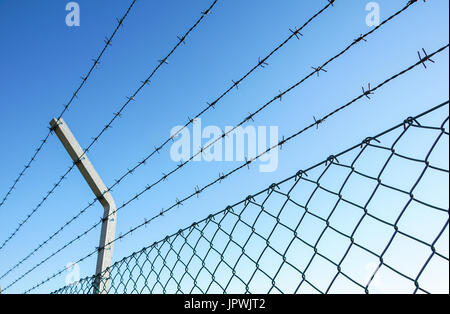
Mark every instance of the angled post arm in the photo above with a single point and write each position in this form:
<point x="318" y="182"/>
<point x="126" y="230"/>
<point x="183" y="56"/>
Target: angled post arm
<point x="87" y="170"/>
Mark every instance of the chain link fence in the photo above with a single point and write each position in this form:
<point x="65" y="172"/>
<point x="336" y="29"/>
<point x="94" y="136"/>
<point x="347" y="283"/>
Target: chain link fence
<point x="372" y="219"/>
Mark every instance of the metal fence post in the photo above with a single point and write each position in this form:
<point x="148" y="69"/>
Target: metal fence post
<point x="79" y="157"/>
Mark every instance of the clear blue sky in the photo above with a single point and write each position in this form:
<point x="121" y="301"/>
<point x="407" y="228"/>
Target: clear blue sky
<point x="41" y="60"/>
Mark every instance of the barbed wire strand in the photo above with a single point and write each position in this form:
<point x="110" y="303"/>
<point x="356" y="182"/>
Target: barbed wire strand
<point x="109" y="124"/>
<point x="261" y="63"/>
<point x="85" y="78"/>
<point x="244" y="165"/>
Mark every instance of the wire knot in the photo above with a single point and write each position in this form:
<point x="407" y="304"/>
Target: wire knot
<point x="318" y="122"/>
<point x="410" y="122"/>
<point x="318" y="69"/>
<point x="273" y="186"/>
<point x="331" y="160"/>
<point x="425" y="58"/>
<point x="296" y="32"/>
<point x="300" y="174"/>
<point x="367" y="92"/>
<point x="368" y="140"/>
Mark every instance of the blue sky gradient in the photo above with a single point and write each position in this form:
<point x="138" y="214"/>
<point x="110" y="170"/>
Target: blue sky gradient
<point x="42" y="59"/>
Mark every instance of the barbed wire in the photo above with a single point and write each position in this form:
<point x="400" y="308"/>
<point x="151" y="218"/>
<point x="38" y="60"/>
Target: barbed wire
<point x="165" y="176"/>
<point x="96" y="62"/>
<point x="248" y="162"/>
<point x="109" y="124"/>
<point x="262" y="62"/>
<point x="161" y="261"/>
